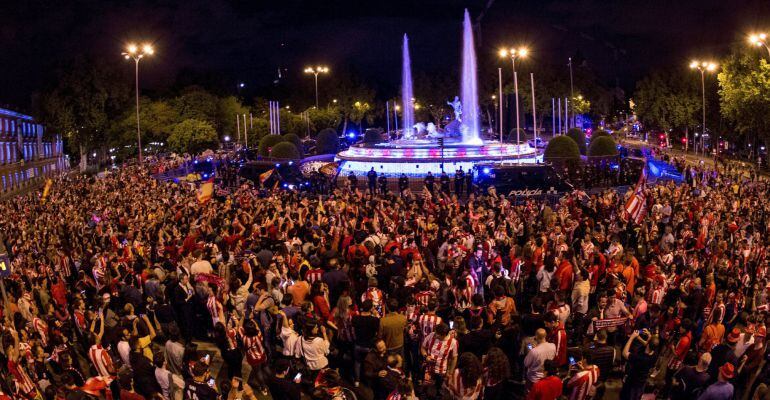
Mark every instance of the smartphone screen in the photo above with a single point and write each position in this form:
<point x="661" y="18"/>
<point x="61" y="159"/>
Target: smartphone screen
<point x="298" y="376"/>
<point x="530" y="346"/>
<point x="451" y="324"/>
<point x="211" y="382"/>
<point x="572" y="360"/>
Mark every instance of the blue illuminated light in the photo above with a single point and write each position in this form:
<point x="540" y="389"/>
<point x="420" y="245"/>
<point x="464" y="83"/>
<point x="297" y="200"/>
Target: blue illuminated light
<point x="291" y="162"/>
<point x="352" y="135"/>
<point x="486" y="170"/>
<point x="277" y="165"/>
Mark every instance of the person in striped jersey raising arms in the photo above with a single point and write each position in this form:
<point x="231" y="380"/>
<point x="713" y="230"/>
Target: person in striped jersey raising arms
<point x="584" y="377"/>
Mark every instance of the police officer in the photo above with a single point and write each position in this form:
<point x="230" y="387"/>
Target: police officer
<point x="371" y="176"/>
<point x="353" y="181"/>
<point x="469" y="183"/>
<point x="459" y="180"/>
<point x="444" y="180"/>
<point x="403" y="183"/>
<point x="429" y="180"/>
<point x="383" y="184"/>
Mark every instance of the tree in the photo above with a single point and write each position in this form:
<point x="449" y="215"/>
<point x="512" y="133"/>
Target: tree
<point x="327" y="142"/>
<point x="285" y="150"/>
<point x="193" y="136"/>
<point x="579" y="137"/>
<point x="348" y="91"/>
<point x="744" y="94"/>
<point x="197" y="103"/>
<point x="322" y="118"/>
<point x="668" y="99"/>
<point x="267" y="143"/>
<point x="84" y="103"/>
<point x="157" y="121"/>
<point x="227" y="108"/>
<point x="603" y="146"/>
<point x="561" y="149"/>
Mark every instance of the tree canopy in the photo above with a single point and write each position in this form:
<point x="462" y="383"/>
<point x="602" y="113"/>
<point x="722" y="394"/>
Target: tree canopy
<point x="668" y="99"/>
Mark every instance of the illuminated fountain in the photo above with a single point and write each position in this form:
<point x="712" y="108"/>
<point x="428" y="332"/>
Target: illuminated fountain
<point x="423" y="147"/>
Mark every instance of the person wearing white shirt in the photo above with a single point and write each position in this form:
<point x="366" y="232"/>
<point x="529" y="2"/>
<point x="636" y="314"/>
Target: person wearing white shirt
<point x="542" y="351"/>
<point x="312" y="348"/>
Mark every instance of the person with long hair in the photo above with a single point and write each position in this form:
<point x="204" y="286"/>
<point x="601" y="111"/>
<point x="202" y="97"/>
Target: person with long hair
<point x="465" y="382"/>
<point x="496" y="370"/>
<point x="256" y="356"/>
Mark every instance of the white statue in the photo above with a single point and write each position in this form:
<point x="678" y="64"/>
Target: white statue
<point x="419" y="128"/>
<point x="431" y="128"/>
<point x="458" y="108"/>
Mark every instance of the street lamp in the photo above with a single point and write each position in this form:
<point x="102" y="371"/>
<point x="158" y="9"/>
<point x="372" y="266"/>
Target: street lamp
<point x="703" y="67"/>
<point x="136" y="53"/>
<point x="759" y="39"/>
<point x="514" y="54"/>
<point x="315" y="71"/>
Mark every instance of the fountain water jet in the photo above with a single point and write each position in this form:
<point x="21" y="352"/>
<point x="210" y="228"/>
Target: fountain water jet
<point x="469" y="87"/>
<point x="406" y="90"/>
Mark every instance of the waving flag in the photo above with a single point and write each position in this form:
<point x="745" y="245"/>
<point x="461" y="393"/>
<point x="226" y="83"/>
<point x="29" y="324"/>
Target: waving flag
<point x="636" y="206"/>
<point x="205" y="191"/>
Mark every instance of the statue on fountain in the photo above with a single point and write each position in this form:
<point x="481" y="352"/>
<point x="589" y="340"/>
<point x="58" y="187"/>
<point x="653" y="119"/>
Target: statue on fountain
<point x="458" y="108"/>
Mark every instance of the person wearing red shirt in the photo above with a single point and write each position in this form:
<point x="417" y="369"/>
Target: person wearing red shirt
<point x="558" y="336"/>
<point x="564" y="272"/>
<point x="548" y="388"/>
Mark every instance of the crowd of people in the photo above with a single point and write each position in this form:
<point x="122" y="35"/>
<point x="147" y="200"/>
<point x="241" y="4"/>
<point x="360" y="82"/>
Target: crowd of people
<point x="125" y="287"/>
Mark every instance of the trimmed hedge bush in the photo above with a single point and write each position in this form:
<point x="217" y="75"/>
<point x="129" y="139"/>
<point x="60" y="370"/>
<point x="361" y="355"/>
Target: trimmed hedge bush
<point x="579" y="137"/>
<point x="268" y="142"/>
<point x="285" y="150"/>
<point x="603" y="146"/>
<point x="327" y="142"/>
<point x="373" y="136"/>
<point x="560" y="149"/>
<point x="597" y="134"/>
<point x="294" y="139"/>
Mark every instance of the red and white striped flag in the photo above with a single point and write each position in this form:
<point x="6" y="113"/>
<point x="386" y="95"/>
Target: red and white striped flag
<point x="636" y="206"/>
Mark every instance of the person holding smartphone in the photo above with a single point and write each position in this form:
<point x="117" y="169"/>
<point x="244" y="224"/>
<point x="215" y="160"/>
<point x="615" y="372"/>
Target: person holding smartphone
<point x="285" y="383"/>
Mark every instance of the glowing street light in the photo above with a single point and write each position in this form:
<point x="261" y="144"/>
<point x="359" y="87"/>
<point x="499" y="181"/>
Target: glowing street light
<point x="136" y="53"/>
<point x="315" y="71"/>
<point x="703" y="67"/>
<point x="514" y="54"/>
<point x="759" y="39"/>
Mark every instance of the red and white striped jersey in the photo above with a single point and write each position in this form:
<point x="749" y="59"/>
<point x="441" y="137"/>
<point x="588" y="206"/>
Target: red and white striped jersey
<point x="215" y="309"/>
<point x="254" y="349"/>
<point x="463" y="297"/>
<point x="459" y="391"/>
<point x="41" y="327"/>
<point x="376" y="296"/>
<point x="439" y="351"/>
<point x="314" y="275"/>
<point x="423" y="297"/>
<point x="80" y="320"/>
<point x="427" y="323"/>
<point x="21" y="379"/>
<point x="582" y="384"/>
<point x="656" y="296"/>
<point x="101" y="360"/>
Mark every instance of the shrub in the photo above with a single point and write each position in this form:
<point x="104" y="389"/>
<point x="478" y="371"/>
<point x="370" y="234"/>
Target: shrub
<point x="561" y="149"/>
<point x="327" y="142"/>
<point x="603" y="146"/>
<point x="285" y="150"/>
<point x="268" y="142"/>
<point x="579" y="137"/>
<point x="294" y="139"/>
<point x="373" y="136"/>
<point x="597" y="134"/>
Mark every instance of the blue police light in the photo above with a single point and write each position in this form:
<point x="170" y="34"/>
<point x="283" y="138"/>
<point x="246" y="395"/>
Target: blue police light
<point x="277" y="165"/>
<point x="291" y="162"/>
<point x="351" y="135"/>
<point x="486" y="170"/>
<point x="195" y="162"/>
<point x="285" y="185"/>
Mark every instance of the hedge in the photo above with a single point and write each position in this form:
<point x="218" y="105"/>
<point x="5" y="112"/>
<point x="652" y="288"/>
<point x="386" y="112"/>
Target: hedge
<point x="603" y="146"/>
<point x="268" y="142"/>
<point x="561" y="148"/>
<point x="327" y="142"/>
<point x="285" y="150"/>
<point x="579" y="137"/>
<point x="294" y="139"/>
<point x="373" y="136"/>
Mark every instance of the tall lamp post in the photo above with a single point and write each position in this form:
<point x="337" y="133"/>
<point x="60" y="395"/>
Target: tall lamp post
<point x="514" y="54"/>
<point x="136" y="53"/>
<point x="760" y="39"/>
<point x="703" y="67"/>
<point x="315" y="71"/>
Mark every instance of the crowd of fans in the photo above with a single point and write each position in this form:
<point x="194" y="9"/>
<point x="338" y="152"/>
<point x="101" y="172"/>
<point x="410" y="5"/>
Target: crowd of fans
<point x="119" y="284"/>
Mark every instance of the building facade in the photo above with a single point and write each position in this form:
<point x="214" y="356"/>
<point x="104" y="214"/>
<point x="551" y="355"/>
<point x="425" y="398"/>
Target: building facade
<point x="25" y="155"/>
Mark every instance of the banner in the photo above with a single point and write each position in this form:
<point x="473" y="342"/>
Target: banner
<point x="609" y="323"/>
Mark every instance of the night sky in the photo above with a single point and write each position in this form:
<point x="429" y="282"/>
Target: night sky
<point x="621" y="40"/>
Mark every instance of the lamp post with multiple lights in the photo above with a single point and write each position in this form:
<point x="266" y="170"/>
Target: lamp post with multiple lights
<point x="514" y="54"/>
<point x="760" y="39"/>
<point x="137" y="53"/>
<point x="315" y="71"/>
<point x="703" y="67"/>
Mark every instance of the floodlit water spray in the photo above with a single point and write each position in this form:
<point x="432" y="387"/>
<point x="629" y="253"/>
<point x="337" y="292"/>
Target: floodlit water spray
<point x="406" y="90"/>
<point x="469" y="88"/>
